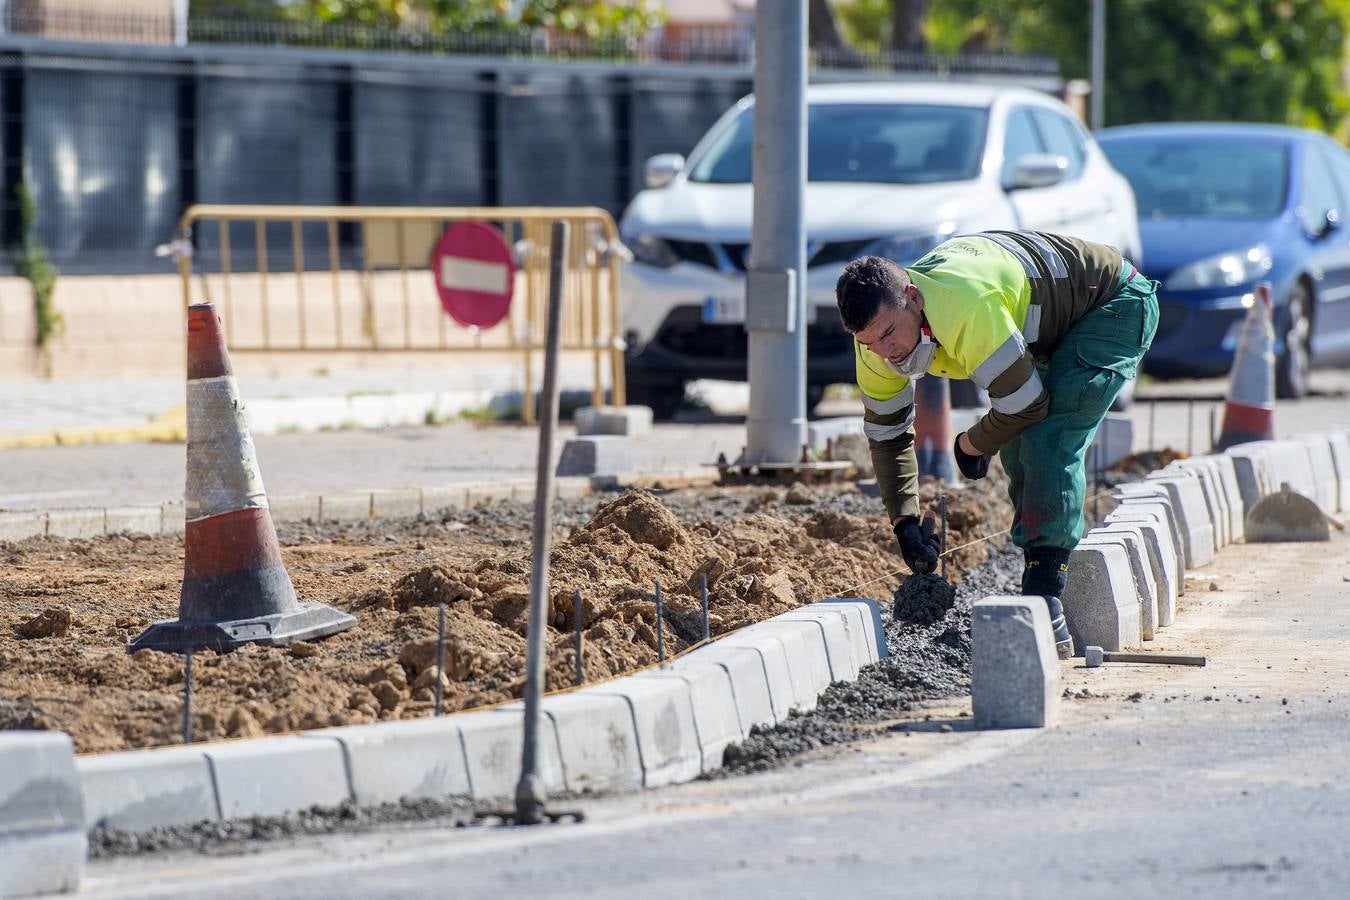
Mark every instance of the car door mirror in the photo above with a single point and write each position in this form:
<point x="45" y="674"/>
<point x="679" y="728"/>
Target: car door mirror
<point x="661" y="169"/>
<point x="1038" y="170"/>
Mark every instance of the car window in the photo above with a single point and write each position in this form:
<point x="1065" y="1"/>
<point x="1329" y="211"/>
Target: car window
<point x="1185" y="176"/>
<point x="1062" y="138"/>
<point x="1317" y="190"/>
<point x="865" y="143"/>
<point x="1340" y="170"/>
<point x="1019" y="139"/>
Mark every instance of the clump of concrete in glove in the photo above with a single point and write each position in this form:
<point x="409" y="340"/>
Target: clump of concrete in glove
<point x="923" y="599"/>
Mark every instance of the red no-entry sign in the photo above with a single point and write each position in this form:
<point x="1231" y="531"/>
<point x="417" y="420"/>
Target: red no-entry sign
<point x="474" y="274"/>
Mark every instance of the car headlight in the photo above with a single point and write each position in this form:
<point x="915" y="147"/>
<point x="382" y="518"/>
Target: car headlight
<point x="1223" y="270"/>
<point x="651" y="250"/>
<point x="907" y="248"/>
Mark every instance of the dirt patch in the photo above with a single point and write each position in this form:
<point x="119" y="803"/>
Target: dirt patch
<point x="760" y="554"/>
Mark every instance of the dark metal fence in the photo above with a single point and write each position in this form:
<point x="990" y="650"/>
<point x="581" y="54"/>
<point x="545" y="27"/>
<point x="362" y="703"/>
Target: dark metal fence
<point x="115" y="141"/>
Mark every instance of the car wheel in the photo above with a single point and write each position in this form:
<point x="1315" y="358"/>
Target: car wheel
<point x="1293" y="366"/>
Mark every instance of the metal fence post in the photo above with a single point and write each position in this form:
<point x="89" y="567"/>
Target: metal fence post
<point x="530" y="796"/>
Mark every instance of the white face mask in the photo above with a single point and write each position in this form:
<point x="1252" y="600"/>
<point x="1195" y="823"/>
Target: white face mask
<point x="916" y="364"/>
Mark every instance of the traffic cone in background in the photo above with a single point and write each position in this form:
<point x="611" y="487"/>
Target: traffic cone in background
<point x="235" y="587"/>
<point x="933" y="427"/>
<point x="1249" y="412"/>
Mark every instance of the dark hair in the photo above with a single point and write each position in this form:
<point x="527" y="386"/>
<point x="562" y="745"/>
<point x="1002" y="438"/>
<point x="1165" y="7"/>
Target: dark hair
<point x="865" y="286"/>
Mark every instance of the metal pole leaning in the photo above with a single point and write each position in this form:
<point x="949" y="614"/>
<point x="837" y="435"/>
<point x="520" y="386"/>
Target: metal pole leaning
<point x="187" y="696"/>
<point x="530" y="797"/>
<point x="440" y="656"/>
<point x="660" y="627"/>
<point x="576" y="611"/>
<point x="703" y="599"/>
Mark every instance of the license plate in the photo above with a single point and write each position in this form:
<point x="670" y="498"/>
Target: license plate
<point x="727" y="309"/>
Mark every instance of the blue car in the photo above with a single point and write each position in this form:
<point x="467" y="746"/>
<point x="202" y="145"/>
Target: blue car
<point x="1224" y="206"/>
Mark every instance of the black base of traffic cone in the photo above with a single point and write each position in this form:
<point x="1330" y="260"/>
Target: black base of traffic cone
<point x="309" y="622"/>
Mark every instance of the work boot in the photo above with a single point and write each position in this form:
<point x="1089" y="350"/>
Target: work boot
<point x="1044" y="576"/>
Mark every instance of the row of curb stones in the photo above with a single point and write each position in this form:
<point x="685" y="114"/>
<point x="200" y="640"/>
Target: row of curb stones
<point x="664" y="725"/>
<point x="333" y="506"/>
<point x="1125" y="577"/>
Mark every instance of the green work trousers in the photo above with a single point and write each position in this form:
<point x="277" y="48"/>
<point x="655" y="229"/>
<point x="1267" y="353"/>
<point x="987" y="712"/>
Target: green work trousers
<point x="1044" y="463"/>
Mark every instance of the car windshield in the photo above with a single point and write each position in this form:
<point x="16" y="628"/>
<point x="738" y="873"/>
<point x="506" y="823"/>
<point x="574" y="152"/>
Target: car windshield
<point x="866" y="143"/>
<point x="1202" y="177"/>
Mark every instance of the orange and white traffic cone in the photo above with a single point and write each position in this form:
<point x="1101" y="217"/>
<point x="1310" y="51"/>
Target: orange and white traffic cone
<point x="1249" y="413"/>
<point x="235" y="586"/>
<point x="933" y="428"/>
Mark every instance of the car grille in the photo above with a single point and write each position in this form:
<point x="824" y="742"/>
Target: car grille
<point x="1170" y="317"/>
<point x="699" y="253"/>
<point x="684" y="332"/>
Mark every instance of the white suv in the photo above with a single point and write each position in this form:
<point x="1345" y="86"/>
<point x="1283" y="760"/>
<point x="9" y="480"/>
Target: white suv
<point x="893" y="169"/>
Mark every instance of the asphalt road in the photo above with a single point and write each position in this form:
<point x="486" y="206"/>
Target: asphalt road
<point x="1229" y="780"/>
<point x="1176" y="414"/>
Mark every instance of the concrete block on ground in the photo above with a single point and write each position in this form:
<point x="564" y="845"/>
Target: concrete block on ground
<point x="42" y="831"/>
<point x="139" y="790"/>
<point x="745" y="670"/>
<point x="173" y="518"/>
<point x="597" y="741"/>
<point x="492" y="740"/>
<point x="1132" y="539"/>
<point x="820" y="432"/>
<point x="443" y="497"/>
<point x="75" y="523"/>
<point x="808" y="661"/>
<point x="133" y="520"/>
<point x="388" y="761"/>
<point x="397" y="502"/>
<point x="1100" y="602"/>
<point x="294" y="507"/>
<point x="1160" y="504"/>
<point x="844" y="658"/>
<point x="571" y="488"/>
<point x="1193" y="518"/>
<point x="1255" y="472"/>
<point x="1210" y="486"/>
<point x="17" y="526"/>
<point x="621" y="420"/>
<point x="344" y="506"/>
<point x="774" y="658"/>
<point x="1326" y="487"/>
<point x="716" y="719"/>
<point x="1162" y="557"/>
<point x="1233" y="494"/>
<point x="1282" y="461"/>
<point x="1339" y="442"/>
<point x="596" y="455"/>
<point x="870" y="614"/>
<point x="669" y="751"/>
<point x="1113" y="441"/>
<point x="1014" y="677"/>
<point x="273" y="776"/>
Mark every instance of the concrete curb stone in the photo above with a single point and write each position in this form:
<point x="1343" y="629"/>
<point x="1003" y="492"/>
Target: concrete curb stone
<point x="294" y="507"/>
<point x="1014" y="671"/>
<point x="1162" y="557"/>
<point x="1146" y="587"/>
<point x="669" y="749"/>
<point x="136" y="790"/>
<point x="344" y="506"/>
<point x="746" y="670"/>
<point x="18" y="526"/>
<point x="1208" y="476"/>
<point x="42" y="835"/>
<point x="1327" y="489"/>
<point x="597" y="740"/>
<point x="1339" y="442"/>
<point x="133" y="520"/>
<point x="1188" y="503"/>
<point x="717" y="721"/>
<point x="808" y="660"/>
<point x="1100" y="600"/>
<point x="385" y="503"/>
<point x="1157" y="502"/>
<point x="840" y="651"/>
<point x="493" y="739"/>
<point x="873" y="630"/>
<point x="1255" y="472"/>
<point x="387" y="761"/>
<point x="272" y="776"/>
<point x="76" y="523"/>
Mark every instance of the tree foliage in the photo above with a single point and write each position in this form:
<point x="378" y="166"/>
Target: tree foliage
<point x="1229" y="60"/>
<point x="592" y="18"/>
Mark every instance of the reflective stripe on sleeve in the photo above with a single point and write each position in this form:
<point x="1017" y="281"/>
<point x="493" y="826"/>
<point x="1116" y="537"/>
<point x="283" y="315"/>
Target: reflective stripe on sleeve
<point x="1053" y="261"/>
<point x="1007" y="243"/>
<point x="1009" y="352"/>
<point x="878" y="432"/>
<point x="1019" y="399"/>
<point x="1032" y="329"/>
<point x="893" y="405"/>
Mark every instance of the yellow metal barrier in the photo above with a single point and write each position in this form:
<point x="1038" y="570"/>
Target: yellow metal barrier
<point x="375" y="292"/>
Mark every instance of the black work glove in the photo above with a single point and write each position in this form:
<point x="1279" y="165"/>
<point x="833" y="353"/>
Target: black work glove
<point x="973" y="467"/>
<point x="918" y="546"/>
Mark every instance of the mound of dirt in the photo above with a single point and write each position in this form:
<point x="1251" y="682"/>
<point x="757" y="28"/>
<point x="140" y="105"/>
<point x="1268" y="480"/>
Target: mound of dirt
<point x="760" y="555"/>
